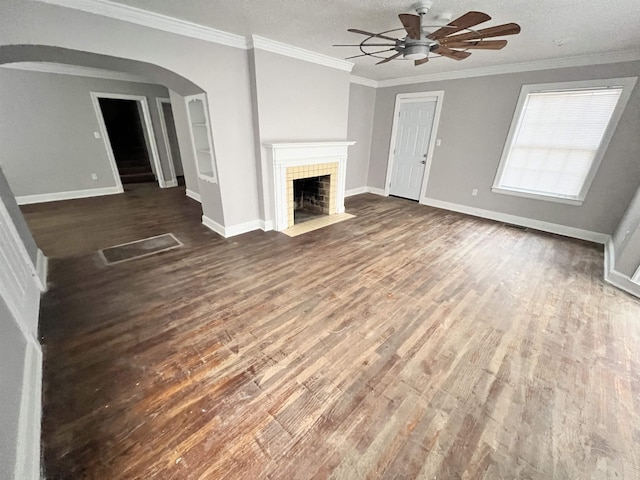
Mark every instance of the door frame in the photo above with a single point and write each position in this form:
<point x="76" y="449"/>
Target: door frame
<point x="146" y="124"/>
<point x="402" y="98"/>
<point x="173" y="181"/>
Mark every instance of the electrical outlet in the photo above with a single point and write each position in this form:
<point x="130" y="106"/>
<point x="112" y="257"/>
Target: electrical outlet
<point x="94" y="176"/>
<point x="474" y="192"/>
<point x="96" y="134"/>
<point x="438" y="142"/>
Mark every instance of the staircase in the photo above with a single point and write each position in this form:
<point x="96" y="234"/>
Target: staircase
<point x="135" y="170"/>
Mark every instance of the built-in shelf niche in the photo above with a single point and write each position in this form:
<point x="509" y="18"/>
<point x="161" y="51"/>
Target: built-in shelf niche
<point x="200" y="128"/>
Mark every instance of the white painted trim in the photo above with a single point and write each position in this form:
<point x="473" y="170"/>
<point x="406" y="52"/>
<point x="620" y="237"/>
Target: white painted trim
<point x="377" y="191"/>
<point x="55" y="197"/>
<point x="547" y="64"/>
<point x="19" y="274"/>
<point x="245" y="227"/>
<point x="213" y="225"/>
<point x="615" y="278"/>
<point x="402" y="98"/>
<point x="266" y="226"/>
<point x="146" y="123"/>
<point x="261" y="43"/>
<point x="202" y="98"/>
<point x="193" y="195"/>
<point x="173" y="181"/>
<point x="627" y="84"/>
<point x="363" y="81"/>
<point x="636" y="276"/>
<point x="76" y="71"/>
<point x="355" y="191"/>
<point x="556" y="228"/>
<point x="285" y="155"/>
<point x="42" y="268"/>
<point x="106" y="142"/>
<point x="29" y="419"/>
<point x="153" y="20"/>
<point x="237" y="229"/>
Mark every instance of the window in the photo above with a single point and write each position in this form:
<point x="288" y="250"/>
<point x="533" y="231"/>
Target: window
<point x="558" y="136"/>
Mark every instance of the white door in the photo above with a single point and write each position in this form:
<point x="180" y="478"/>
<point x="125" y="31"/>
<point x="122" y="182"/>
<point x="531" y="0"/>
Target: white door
<point x="413" y="134"/>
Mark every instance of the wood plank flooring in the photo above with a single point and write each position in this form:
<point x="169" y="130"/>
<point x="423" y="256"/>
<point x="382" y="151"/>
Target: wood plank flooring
<point x="408" y="342"/>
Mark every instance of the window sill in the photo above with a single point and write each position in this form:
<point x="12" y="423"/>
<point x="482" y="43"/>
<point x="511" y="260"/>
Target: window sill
<point x="538" y="196"/>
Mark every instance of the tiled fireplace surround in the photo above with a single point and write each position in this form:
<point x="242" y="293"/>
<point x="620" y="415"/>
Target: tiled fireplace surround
<point x="292" y="161"/>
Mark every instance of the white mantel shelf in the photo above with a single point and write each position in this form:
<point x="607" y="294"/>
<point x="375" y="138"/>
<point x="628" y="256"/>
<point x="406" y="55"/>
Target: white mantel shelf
<point x="284" y="155"/>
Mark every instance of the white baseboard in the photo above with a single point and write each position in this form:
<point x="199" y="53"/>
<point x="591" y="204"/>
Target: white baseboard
<point x="266" y="226"/>
<point x="213" y="225"/>
<point x="556" y="228"/>
<point x="55" y="197"/>
<point x="170" y="183"/>
<point x="42" y="268"/>
<point x="28" y="445"/>
<point x="377" y="191"/>
<point x="193" y="195"/>
<point x="355" y="191"/>
<point x="615" y="278"/>
<point x="237" y="229"/>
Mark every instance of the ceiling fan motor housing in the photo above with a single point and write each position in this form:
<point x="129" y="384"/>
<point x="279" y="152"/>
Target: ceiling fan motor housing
<point x="416" y="51"/>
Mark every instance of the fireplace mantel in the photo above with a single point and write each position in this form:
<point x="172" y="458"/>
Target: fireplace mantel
<point x="285" y="155"/>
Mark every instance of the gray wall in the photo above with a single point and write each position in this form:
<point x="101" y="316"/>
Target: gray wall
<point x="13" y="347"/>
<point x="296" y="101"/>
<point x="220" y="71"/>
<point x="474" y="124"/>
<point x="46" y="128"/>
<point x="362" y="102"/>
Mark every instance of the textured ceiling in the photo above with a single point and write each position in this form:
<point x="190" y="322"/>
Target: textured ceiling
<point x="550" y="28"/>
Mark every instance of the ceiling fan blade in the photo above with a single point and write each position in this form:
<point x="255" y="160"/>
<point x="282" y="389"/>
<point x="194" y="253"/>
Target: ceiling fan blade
<point x="388" y="59"/>
<point x="369" y="34"/>
<point x="411" y="24"/>
<point x="467" y="20"/>
<point x="367" y="45"/>
<point x="478" y="44"/>
<point x="498" y="31"/>
<point x="372" y="53"/>
<point x="420" y="62"/>
<point x="456" y="55"/>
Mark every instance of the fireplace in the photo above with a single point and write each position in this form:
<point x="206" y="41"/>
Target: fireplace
<point x="322" y="164"/>
<point x="311" y="198"/>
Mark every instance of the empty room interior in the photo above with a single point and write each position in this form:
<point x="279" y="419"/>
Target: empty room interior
<point x="296" y="240"/>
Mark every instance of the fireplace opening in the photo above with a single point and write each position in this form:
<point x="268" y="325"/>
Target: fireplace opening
<point x="311" y="198"/>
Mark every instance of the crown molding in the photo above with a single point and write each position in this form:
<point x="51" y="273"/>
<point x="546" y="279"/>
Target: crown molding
<point x="153" y="20"/>
<point x="363" y="81"/>
<point x="261" y="43"/>
<point x="567" y="62"/>
<point x="62" y="69"/>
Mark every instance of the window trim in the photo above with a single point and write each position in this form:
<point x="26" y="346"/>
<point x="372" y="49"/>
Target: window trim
<point x="626" y="83"/>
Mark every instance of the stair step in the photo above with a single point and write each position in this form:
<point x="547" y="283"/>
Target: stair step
<point x="137" y="178"/>
<point x="134" y="169"/>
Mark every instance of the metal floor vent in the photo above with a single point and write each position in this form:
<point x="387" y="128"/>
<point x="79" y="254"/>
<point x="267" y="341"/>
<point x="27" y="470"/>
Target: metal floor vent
<point x="139" y="248"/>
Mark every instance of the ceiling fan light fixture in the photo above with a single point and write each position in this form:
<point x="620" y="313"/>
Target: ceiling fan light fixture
<point x="415" y="52"/>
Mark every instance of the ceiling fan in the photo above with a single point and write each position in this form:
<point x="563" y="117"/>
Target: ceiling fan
<point x="422" y="39"/>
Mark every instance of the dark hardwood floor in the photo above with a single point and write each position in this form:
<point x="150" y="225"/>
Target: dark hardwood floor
<point x="408" y="342"/>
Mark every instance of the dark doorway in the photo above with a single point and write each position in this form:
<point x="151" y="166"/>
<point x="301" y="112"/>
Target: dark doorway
<point x="126" y="135"/>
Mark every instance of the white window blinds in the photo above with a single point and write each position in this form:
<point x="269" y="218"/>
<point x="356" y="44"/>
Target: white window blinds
<point x="556" y="141"/>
